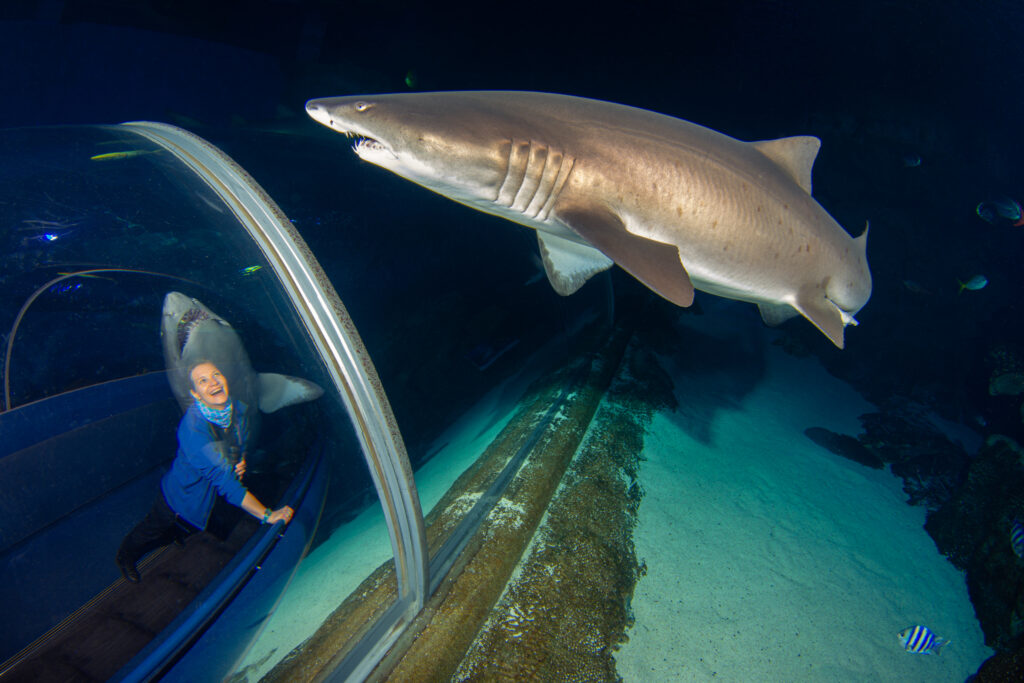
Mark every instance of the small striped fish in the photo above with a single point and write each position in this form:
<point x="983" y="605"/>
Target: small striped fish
<point x="921" y="640"/>
<point x="1017" y="538"/>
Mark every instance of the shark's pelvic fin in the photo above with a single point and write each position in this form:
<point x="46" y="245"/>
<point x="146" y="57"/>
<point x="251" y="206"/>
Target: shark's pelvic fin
<point x="569" y="264"/>
<point x="794" y="155"/>
<point x="826" y="316"/>
<point x="655" y="264"/>
<point x="278" y="391"/>
<point x="776" y="314"/>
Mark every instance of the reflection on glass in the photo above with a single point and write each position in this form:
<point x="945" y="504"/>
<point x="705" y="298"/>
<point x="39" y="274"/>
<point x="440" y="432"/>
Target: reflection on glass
<point x="103" y="225"/>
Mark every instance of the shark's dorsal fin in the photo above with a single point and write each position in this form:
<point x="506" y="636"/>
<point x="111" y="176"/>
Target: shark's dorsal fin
<point x="862" y="240"/>
<point x="277" y="391"/>
<point x="569" y="264"/>
<point x="794" y="155"/>
<point x="655" y="264"/>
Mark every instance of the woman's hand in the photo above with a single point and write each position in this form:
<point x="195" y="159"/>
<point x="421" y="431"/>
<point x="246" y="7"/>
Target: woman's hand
<point x="285" y="514"/>
<point x="240" y="468"/>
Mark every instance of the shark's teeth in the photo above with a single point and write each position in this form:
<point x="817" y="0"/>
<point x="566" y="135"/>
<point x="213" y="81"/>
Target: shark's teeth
<point x="368" y="145"/>
<point x="187" y="324"/>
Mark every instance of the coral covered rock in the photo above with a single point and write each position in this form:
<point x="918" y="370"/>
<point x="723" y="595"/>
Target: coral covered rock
<point x="973" y="530"/>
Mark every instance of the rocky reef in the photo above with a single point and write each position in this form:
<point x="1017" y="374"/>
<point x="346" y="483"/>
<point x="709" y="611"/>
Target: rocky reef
<point x="973" y="530"/>
<point x="905" y="435"/>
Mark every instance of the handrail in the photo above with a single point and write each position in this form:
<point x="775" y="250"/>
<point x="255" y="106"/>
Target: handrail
<point x="159" y="655"/>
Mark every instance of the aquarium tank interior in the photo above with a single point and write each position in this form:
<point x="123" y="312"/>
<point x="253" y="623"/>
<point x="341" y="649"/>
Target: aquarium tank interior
<point x="392" y="342"/>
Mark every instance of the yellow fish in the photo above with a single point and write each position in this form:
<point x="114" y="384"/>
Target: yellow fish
<point x="110" y="156"/>
<point x="88" y="275"/>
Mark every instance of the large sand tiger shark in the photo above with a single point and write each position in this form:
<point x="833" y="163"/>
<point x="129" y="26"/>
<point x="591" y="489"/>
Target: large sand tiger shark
<point x="677" y="205"/>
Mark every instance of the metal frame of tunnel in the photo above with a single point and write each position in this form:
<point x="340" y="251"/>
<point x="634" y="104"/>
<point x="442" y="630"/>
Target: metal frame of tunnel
<point x="347" y="362"/>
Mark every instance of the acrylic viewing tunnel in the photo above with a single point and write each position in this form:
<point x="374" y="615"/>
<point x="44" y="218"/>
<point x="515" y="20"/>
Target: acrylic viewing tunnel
<point x="100" y="223"/>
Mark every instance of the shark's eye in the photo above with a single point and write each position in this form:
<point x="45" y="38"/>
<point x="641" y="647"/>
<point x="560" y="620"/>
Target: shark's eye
<point x="362" y="106"/>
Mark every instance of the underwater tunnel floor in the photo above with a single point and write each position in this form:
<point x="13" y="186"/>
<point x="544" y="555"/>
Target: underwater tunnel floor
<point x="94" y="642"/>
<point x="542" y="589"/>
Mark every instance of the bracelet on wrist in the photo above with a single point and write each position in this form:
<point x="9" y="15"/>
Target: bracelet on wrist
<point x="266" y="515"/>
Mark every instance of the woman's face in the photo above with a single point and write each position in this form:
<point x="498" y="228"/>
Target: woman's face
<point x="209" y="385"/>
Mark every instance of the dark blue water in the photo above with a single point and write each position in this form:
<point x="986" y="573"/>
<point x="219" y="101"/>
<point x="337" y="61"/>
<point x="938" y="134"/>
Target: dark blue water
<point x="917" y="105"/>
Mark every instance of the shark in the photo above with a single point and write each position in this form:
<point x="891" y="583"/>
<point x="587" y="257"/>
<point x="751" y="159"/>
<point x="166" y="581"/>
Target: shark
<point x="677" y="205"/>
<point x="190" y="332"/>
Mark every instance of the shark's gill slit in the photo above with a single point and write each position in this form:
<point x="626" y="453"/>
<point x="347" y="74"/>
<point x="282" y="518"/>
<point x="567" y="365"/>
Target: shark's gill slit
<point x="564" y="171"/>
<point x="509" y="163"/>
<point x="536" y="159"/>
<point x="518" y="159"/>
<point x="549" y="174"/>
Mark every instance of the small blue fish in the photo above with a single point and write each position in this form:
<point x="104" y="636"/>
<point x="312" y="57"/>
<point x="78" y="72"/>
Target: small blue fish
<point x="921" y="640"/>
<point x="250" y="270"/>
<point x="974" y="284"/>
<point x="1001" y="210"/>
<point x="915" y="287"/>
<point x="1017" y="538"/>
<point x="1007" y="208"/>
<point x="911" y="160"/>
<point x="65" y="287"/>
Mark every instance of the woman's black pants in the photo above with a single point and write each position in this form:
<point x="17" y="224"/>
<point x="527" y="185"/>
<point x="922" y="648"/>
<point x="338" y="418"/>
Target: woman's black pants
<point x="161" y="526"/>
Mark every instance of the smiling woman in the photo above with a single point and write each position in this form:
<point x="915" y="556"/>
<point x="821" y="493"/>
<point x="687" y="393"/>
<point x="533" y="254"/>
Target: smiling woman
<point x="210" y="385"/>
<point x="213" y="441"/>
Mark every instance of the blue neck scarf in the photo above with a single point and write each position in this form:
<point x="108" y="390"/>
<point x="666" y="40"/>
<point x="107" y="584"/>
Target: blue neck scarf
<point x="218" y="416"/>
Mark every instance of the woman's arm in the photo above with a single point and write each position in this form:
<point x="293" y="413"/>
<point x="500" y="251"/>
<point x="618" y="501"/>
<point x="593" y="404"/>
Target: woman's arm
<point x="254" y="507"/>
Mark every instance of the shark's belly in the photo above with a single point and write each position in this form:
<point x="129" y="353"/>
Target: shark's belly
<point x="765" y="291"/>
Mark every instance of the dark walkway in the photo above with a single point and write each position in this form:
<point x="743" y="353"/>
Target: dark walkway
<point x="96" y="641"/>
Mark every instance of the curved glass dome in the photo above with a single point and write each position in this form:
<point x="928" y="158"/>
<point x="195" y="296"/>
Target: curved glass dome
<point x="104" y="224"/>
<point x="118" y="241"/>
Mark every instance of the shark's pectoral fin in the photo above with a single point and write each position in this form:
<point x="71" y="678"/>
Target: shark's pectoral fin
<point x="655" y="264"/>
<point x="277" y="391"/>
<point x="825" y="315"/>
<point x="776" y="314"/>
<point x="569" y="264"/>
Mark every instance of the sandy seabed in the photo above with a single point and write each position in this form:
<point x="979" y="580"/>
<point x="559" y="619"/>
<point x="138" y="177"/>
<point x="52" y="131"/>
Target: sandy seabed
<point x="768" y="558"/>
<point x="352" y="552"/>
<point x="771" y="559"/>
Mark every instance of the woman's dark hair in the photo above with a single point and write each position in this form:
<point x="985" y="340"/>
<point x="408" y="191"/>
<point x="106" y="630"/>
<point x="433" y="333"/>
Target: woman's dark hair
<point x="195" y="364"/>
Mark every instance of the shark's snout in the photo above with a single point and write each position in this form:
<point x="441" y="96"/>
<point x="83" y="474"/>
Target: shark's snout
<point x="319" y="113"/>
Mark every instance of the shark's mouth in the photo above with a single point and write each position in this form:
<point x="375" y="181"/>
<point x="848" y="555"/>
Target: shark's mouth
<point x="369" y="146"/>
<point x="187" y="323"/>
<point x="366" y="146"/>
